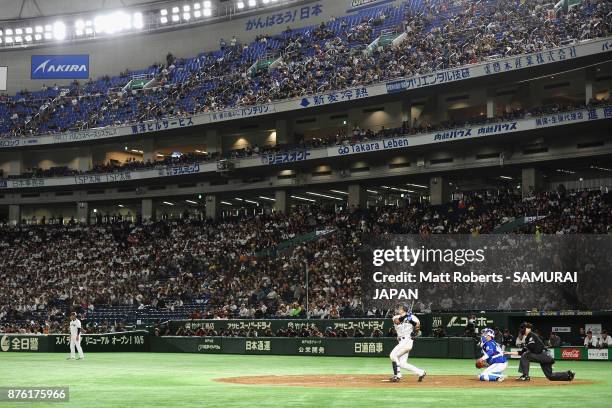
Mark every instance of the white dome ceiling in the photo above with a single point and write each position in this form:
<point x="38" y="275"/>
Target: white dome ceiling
<point x="25" y="9"/>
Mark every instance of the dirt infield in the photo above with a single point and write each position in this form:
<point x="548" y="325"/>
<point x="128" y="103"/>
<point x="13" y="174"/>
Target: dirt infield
<point x="381" y="381"/>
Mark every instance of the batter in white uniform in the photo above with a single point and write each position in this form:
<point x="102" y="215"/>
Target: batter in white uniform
<point x="405" y="324"/>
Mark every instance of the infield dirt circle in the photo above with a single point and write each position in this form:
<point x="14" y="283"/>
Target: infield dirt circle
<point x="381" y="381"/>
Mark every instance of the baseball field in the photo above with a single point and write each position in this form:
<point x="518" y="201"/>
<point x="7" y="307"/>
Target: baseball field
<point x="195" y="380"/>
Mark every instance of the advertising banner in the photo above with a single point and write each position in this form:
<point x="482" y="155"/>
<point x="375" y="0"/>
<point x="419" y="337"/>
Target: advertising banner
<point x="60" y="66"/>
<point x="598" y="354"/>
<point x="124" y="341"/>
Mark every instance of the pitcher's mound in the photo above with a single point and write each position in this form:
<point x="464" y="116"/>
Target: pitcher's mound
<point x="382" y="381"/>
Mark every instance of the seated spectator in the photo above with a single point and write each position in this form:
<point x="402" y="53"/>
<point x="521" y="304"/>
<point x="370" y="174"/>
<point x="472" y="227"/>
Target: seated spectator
<point x="590" y="341"/>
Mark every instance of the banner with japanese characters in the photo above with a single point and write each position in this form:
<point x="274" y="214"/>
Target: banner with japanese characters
<point x="112" y="342"/>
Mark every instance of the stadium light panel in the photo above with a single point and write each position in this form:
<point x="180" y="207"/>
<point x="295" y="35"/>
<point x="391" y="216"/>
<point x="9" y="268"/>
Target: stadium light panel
<point x="0" y="40"/>
<point x="175" y="10"/>
<point x="79" y="24"/>
<point x="240" y="5"/>
<point x="303" y="198"/>
<point x="1" y="32"/>
<point x="163" y="12"/>
<point x="38" y="29"/>
<point x="186" y="16"/>
<point x="207" y="4"/>
<point x="38" y="37"/>
<point x="196" y="6"/>
<point x="252" y="3"/>
<point x="28" y="30"/>
<point x="175" y="18"/>
<point x="18" y="31"/>
<point x="28" y="38"/>
<point x="8" y="40"/>
<point x="8" y="31"/>
<point x="48" y="36"/>
<point x="197" y="14"/>
<point x="137" y="20"/>
<point x="265" y="1"/>
<point x="123" y="20"/>
<point x="416" y="185"/>
<point x="78" y="33"/>
<point x="324" y="196"/>
<point x="48" y="27"/>
<point x="89" y="31"/>
<point x="163" y="20"/>
<point x="207" y="12"/>
<point x="18" y="39"/>
<point x="186" y="8"/>
<point x="59" y="30"/>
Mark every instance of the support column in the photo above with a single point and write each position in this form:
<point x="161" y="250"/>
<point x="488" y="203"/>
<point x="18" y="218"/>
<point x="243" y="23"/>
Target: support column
<point x="355" y="118"/>
<point x="284" y="132"/>
<point x="407" y="112"/>
<point x="357" y="197"/>
<point x="148" y="150"/>
<point x="589" y="79"/>
<point x="212" y="207"/>
<point x="212" y="140"/>
<point x="491" y="104"/>
<point x="531" y="182"/>
<point x="147" y="210"/>
<point x="14" y="214"/>
<point x="280" y="205"/>
<point x="439" y="191"/>
<point x="84" y="160"/>
<point x="15" y="164"/>
<point x="431" y="112"/>
<point x="82" y="212"/>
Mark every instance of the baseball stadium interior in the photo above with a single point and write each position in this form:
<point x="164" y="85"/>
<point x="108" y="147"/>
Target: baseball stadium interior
<point x="186" y="190"/>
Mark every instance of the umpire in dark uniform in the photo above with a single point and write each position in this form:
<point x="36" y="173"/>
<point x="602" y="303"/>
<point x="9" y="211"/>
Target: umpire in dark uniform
<point x="535" y="351"/>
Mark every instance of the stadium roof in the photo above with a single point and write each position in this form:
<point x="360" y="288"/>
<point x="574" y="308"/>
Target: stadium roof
<point x="12" y="10"/>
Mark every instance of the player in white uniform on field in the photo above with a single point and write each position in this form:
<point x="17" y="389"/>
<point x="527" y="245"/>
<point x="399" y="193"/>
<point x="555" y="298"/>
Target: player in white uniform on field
<point x="405" y="324"/>
<point x="75" y="337"/>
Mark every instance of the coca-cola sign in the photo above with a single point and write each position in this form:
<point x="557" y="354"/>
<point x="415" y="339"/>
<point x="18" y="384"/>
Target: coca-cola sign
<point x="570" y="354"/>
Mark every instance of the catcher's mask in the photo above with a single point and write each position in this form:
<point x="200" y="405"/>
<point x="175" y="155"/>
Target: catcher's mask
<point x="488" y="332"/>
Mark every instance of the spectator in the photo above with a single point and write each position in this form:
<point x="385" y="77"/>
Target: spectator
<point x="590" y="341"/>
<point x="554" y="341"/>
<point x="605" y="341"/>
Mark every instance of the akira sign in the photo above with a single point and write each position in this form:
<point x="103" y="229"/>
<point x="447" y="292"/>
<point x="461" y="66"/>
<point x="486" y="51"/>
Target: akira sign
<point x="60" y="66"/>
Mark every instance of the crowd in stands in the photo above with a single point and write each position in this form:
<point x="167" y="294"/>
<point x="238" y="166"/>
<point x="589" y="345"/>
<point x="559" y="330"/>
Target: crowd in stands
<point x="440" y="34"/>
<point x="229" y="268"/>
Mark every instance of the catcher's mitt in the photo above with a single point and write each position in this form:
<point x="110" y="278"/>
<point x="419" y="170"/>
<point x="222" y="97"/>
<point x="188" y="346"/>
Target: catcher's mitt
<point x="481" y="363"/>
